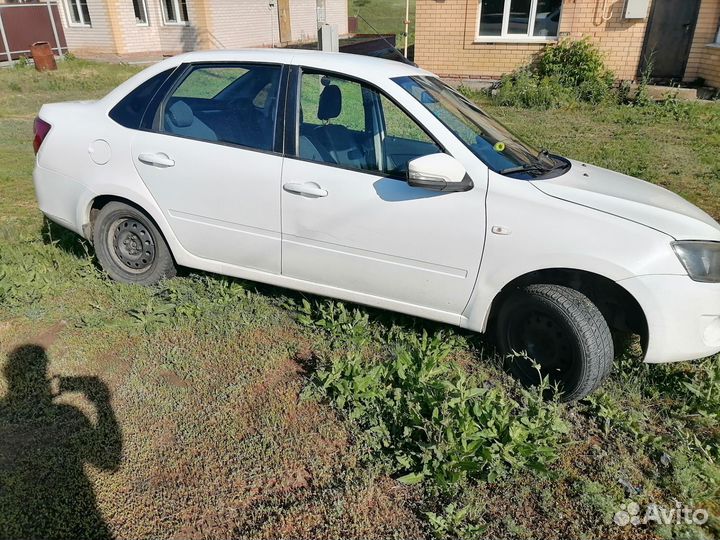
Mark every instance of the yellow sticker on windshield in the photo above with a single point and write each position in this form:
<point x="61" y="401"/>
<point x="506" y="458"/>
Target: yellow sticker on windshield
<point x="499" y="146"/>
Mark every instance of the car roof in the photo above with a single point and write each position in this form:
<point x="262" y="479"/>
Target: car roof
<point x="352" y="64"/>
<point x="374" y="70"/>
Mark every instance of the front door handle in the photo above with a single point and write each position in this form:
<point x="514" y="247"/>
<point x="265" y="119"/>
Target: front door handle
<point x="310" y="189"/>
<point x="158" y="160"/>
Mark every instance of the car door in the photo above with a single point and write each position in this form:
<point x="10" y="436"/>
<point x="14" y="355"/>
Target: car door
<point x="349" y="218"/>
<point x="213" y="164"/>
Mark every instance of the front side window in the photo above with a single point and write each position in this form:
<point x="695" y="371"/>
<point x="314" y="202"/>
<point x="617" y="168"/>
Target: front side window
<point x="140" y="9"/>
<point x="484" y="136"/>
<point x="513" y="19"/>
<point x="175" y="11"/>
<point x="79" y="13"/>
<point x="234" y="104"/>
<point x="346" y="123"/>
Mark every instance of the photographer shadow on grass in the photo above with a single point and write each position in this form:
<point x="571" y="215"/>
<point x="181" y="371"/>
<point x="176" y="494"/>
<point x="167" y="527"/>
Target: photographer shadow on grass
<point x="44" y="445"/>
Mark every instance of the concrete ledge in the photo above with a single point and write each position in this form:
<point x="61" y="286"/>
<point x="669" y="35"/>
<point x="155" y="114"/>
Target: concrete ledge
<point x="659" y="93"/>
<point x="468" y="82"/>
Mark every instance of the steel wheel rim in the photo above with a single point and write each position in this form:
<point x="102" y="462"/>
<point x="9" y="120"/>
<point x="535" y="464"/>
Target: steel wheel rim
<point x="132" y="245"/>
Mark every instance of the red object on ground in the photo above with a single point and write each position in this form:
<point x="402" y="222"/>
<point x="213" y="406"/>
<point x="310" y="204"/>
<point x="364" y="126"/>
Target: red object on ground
<point x="43" y="56"/>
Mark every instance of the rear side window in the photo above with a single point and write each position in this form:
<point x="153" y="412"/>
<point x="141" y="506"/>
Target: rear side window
<point x="129" y="111"/>
<point x="232" y="103"/>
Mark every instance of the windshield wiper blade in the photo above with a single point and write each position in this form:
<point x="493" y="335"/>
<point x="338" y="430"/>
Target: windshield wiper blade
<point x="525" y="168"/>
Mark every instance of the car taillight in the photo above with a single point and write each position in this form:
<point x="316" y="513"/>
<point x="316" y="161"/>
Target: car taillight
<point x="40" y="128"/>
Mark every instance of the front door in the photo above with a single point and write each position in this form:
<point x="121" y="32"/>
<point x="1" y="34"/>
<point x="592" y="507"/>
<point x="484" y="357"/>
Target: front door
<point x="350" y="220"/>
<point x="668" y="38"/>
<point x="211" y="165"/>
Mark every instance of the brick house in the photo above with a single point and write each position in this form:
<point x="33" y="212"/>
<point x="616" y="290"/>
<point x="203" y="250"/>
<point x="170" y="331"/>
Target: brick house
<point x="151" y="28"/>
<point x="487" y="38"/>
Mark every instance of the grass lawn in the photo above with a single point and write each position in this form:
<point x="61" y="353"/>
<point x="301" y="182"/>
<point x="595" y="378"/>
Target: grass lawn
<point x="384" y="16"/>
<point x="208" y="407"/>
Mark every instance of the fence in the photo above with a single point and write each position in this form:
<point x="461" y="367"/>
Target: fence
<point x="23" y="24"/>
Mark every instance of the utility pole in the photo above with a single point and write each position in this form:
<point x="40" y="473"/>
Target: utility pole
<point x="271" y="8"/>
<point x="407" y="24"/>
<point x="327" y="34"/>
<point x="321" y="12"/>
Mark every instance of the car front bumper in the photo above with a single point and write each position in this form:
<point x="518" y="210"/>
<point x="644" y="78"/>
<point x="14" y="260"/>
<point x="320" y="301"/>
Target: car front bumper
<point x="683" y="316"/>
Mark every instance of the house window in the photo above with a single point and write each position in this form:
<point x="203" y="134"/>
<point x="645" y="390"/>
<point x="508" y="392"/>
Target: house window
<point x="717" y="36"/>
<point x="531" y="20"/>
<point x="175" y="11"/>
<point x="79" y="13"/>
<point x="140" y="9"/>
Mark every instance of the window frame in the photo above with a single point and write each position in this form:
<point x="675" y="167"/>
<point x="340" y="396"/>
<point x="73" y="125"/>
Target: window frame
<point x="178" y="13"/>
<point x="142" y="4"/>
<point x="717" y="37"/>
<point x="292" y="118"/>
<point x="515" y="38"/>
<point x="82" y="23"/>
<point x="170" y="75"/>
<point x="153" y="122"/>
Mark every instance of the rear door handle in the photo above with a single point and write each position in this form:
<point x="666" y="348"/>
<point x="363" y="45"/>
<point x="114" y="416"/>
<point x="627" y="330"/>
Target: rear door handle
<point x="311" y="189"/>
<point x="158" y="160"/>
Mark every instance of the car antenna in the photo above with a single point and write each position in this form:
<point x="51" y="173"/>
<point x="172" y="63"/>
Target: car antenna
<point x="404" y="59"/>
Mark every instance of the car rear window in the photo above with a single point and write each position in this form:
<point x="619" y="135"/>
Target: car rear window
<point x="130" y="110"/>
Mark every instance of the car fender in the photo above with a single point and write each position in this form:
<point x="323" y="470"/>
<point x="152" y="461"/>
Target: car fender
<point x="138" y="197"/>
<point x="529" y="231"/>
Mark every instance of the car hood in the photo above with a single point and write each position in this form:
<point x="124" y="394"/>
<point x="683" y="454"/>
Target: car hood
<point x="632" y="199"/>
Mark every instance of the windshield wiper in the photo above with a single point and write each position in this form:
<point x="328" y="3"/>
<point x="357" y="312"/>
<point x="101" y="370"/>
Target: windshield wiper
<point x="526" y="168"/>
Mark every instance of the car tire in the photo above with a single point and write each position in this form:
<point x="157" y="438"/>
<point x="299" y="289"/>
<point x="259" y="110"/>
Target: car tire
<point x="563" y="331"/>
<point x="130" y="247"/>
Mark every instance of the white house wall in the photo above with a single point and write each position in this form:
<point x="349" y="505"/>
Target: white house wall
<point x="231" y="24"/>
<point x="250" y="23"/>
<point x="303" y="18"/>
<point x="141" y="38"/>
<point x="96" y="38"/>
<point x="242" y="23"/>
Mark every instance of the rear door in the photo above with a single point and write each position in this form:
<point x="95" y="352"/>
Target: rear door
<point x="213" y="164"/>
<point x="349" y="218"/>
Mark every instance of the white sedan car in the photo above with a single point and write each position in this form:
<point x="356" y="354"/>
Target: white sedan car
<point x="371" y="181"/>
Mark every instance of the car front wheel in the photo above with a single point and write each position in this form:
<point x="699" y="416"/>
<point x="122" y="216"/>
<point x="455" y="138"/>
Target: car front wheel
<point x="130" y="247"/>
<point x="562" y="331"/>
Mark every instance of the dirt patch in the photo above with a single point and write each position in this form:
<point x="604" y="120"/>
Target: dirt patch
<point x="113" y="366"/>
<point x="173" y="379"/>
<point x="46" y="338"/>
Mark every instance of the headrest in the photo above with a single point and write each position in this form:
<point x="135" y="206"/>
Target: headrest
<point x="330" y="103"/>
<point x="180" y="114"/>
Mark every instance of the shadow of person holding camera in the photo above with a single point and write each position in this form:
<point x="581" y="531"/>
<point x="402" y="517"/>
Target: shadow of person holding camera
<point x="44" y="445"/>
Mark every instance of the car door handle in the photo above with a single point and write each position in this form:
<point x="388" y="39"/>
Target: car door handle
<point x="158" y="160"/>
<point x="310" y="189"/>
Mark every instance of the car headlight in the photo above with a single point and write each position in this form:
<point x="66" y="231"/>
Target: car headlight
<point x="700" y="259"/>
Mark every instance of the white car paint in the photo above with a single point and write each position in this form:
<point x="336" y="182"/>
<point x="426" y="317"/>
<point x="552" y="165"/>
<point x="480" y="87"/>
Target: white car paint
<point x="207" y="188"/>
<point x="368" y="239"/>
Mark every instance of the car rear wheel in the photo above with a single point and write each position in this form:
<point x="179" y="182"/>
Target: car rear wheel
<point x="562" y="331"/>
<point x="130" y="247"/>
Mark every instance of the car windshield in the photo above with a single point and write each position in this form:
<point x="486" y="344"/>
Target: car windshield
<point x="488" y="139"/>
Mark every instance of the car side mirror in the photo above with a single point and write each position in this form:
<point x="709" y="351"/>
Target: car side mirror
<point x="438" y="172"/>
